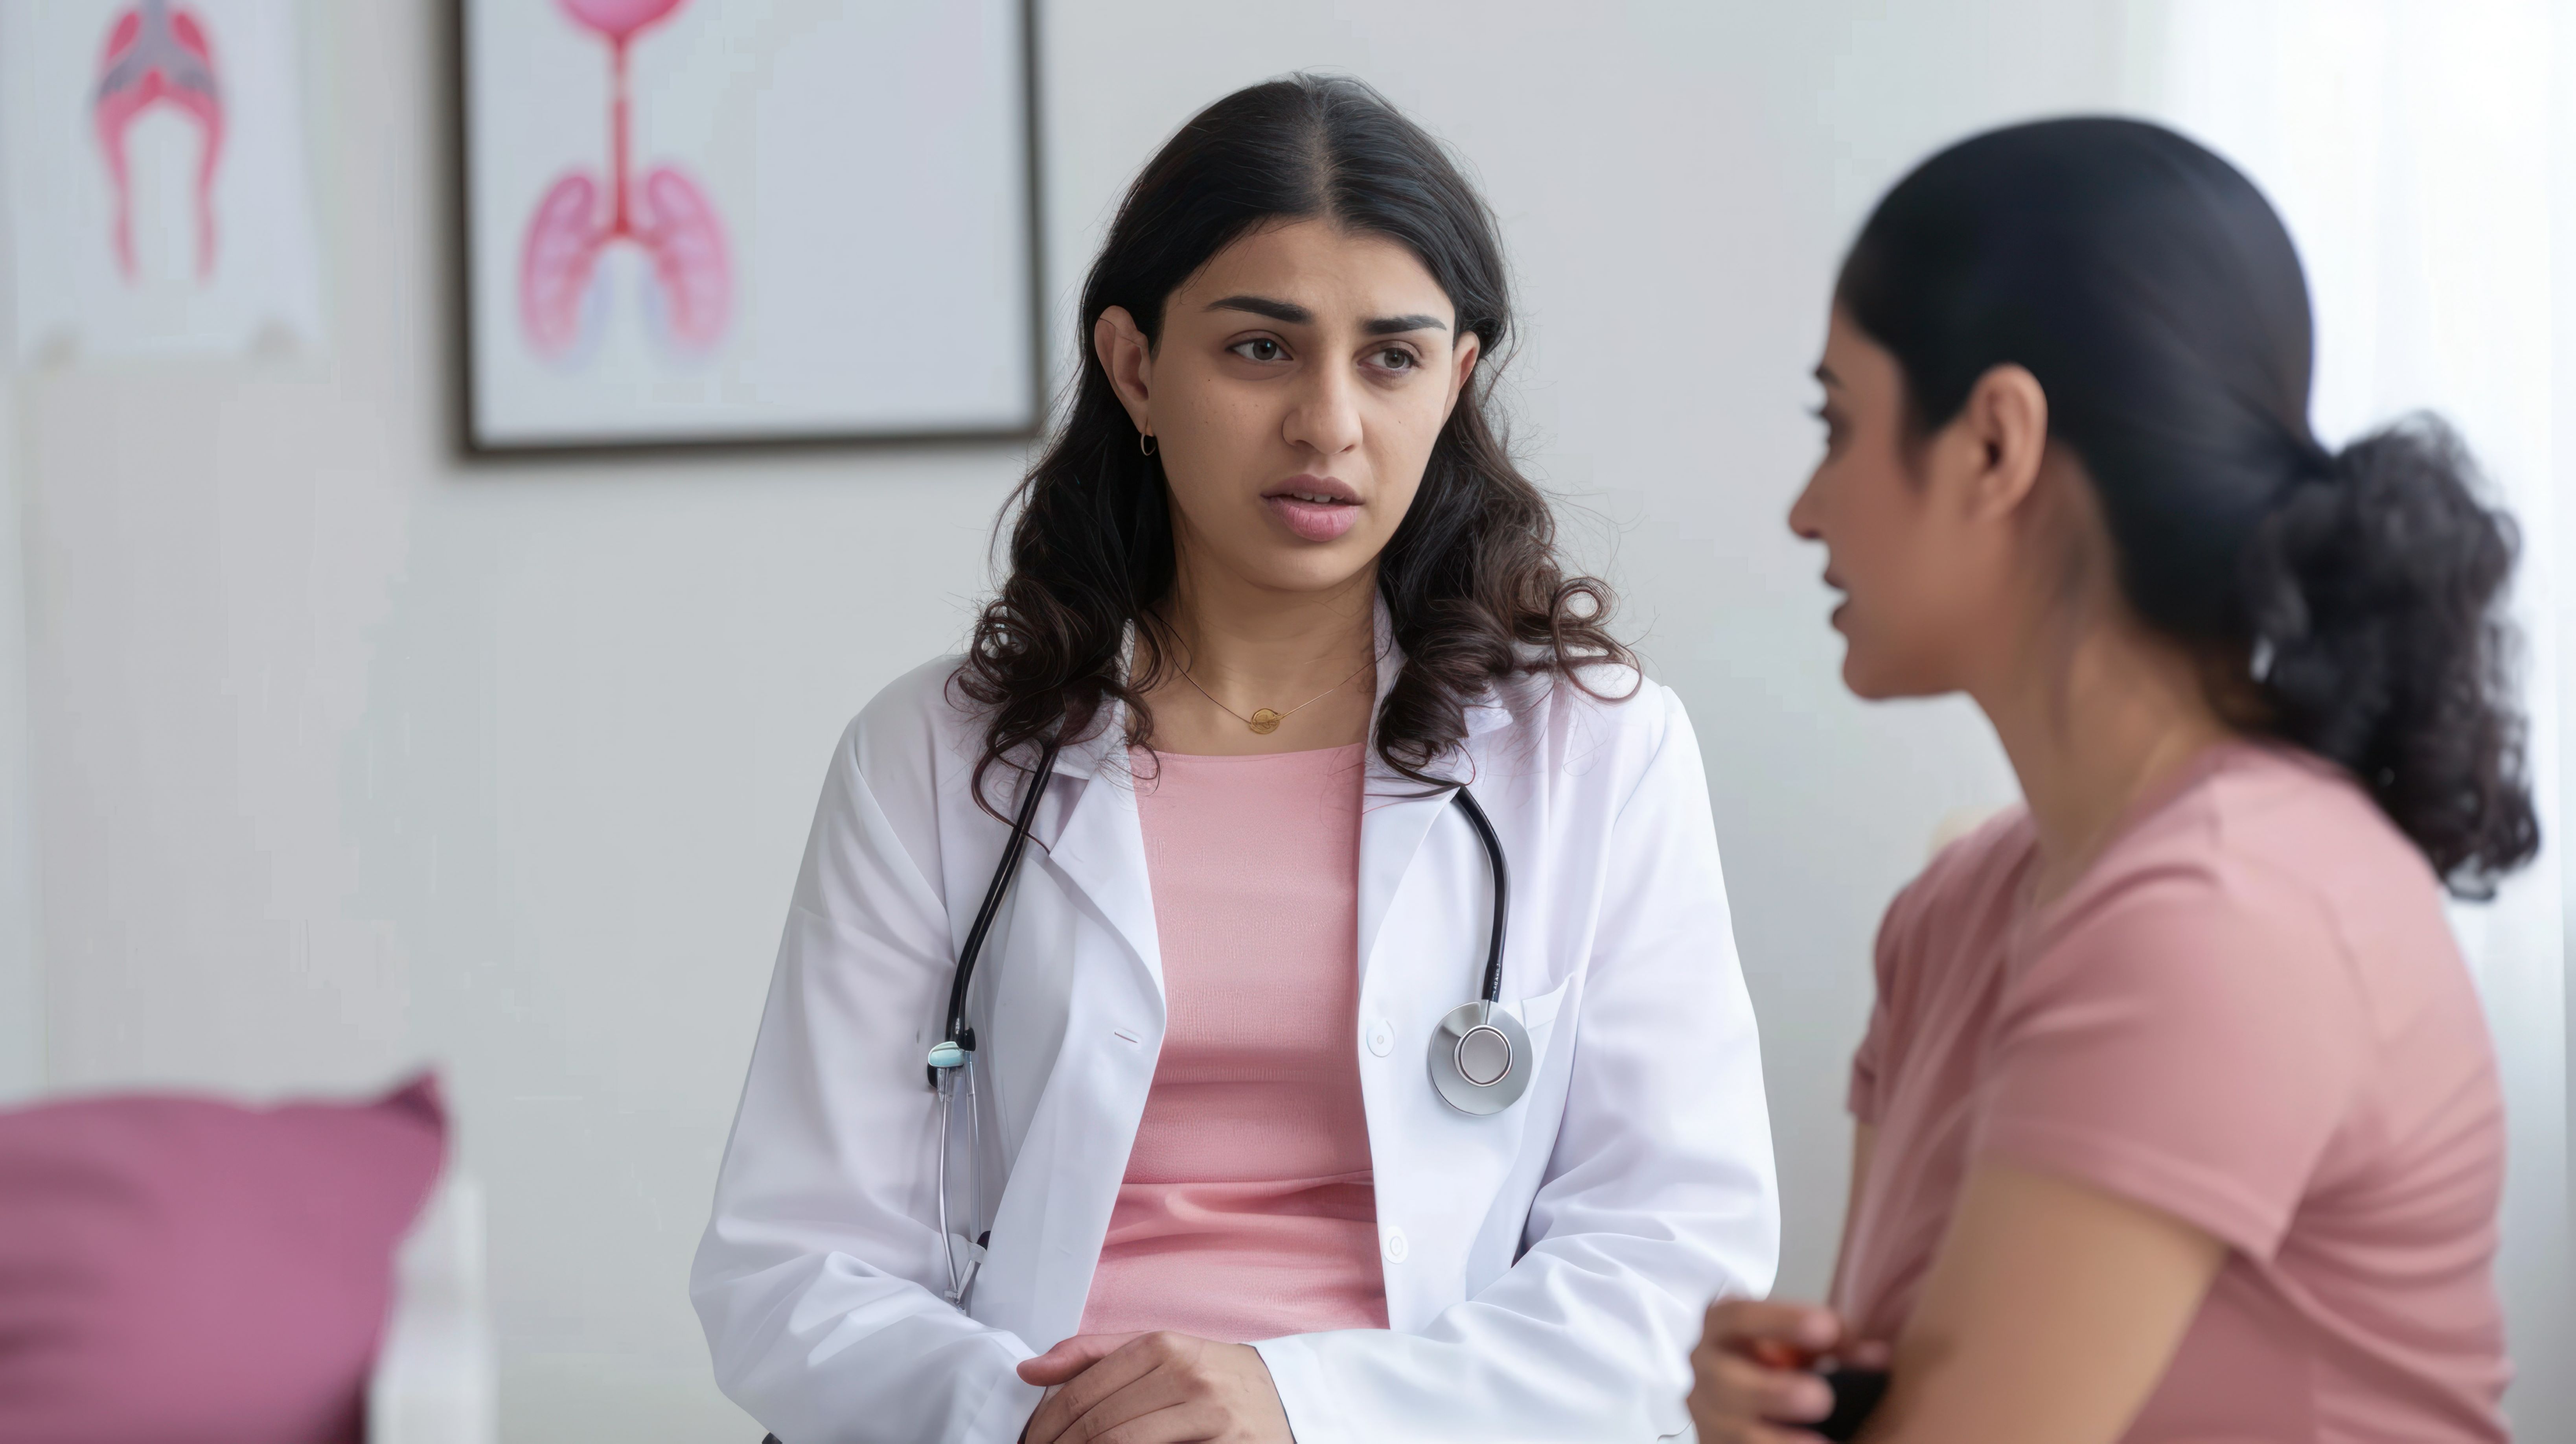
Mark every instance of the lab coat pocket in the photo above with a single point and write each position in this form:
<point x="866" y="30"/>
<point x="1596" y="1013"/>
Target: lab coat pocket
<point x="1538" y="1015"/>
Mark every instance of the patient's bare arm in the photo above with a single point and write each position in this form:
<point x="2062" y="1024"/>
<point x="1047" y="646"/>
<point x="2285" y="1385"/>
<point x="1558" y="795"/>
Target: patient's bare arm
<point x="2051" y="1311"/>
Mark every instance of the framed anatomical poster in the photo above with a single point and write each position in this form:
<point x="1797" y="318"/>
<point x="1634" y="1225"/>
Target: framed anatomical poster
<point x="735" y="222"/>
<point x="155" y="152"/>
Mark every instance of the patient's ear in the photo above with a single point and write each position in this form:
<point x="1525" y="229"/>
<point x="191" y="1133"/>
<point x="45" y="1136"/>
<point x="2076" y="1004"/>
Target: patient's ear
<point x="2005" y="424"/>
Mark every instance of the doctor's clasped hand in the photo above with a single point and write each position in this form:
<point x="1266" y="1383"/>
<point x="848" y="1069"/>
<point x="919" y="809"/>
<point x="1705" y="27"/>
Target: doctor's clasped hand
<point x="1152" y="1388"/>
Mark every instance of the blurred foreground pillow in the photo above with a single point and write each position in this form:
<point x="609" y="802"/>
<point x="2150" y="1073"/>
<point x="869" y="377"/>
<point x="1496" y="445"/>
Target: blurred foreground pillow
<point x="191" y="1272"/>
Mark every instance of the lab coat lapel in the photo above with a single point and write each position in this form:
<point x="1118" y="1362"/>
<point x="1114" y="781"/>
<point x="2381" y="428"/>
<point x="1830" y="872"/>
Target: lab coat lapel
<point x="1396" y="811"/>
<point x="1100" y="852"/>
<point x="1393" y="822"/>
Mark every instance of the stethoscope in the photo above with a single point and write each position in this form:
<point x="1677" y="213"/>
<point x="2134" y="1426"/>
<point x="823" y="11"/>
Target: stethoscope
<point x="1479" y="1056"/>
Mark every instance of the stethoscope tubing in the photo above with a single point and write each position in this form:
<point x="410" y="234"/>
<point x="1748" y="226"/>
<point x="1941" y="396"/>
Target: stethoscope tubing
<point x="960" y="1032"/>
<point x="1484" y="826"/>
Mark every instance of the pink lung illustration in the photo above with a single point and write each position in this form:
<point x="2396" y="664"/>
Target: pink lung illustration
<point x="664" y="213"/>
<point x="157" y="54"/>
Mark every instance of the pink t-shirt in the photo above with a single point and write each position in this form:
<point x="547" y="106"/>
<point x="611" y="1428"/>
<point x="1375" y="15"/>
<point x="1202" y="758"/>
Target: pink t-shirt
<point x="1249" y="1210"/>
<point x="2250" y="1015"/>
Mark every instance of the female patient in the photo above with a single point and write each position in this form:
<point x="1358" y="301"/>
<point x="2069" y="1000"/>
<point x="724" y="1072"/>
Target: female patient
<point x="2177" y="1115"/>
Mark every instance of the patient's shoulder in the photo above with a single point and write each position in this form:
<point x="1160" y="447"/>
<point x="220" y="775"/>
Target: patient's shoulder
<point x="1972" y="858"/>
<point x="1963" y="900"/>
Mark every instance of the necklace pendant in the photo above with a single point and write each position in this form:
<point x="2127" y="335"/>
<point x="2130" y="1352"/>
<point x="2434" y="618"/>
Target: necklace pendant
<point x="1264" y="722"/>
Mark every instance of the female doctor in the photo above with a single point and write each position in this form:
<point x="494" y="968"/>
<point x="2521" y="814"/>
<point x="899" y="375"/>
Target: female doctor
<point x="1355" y="1046"/>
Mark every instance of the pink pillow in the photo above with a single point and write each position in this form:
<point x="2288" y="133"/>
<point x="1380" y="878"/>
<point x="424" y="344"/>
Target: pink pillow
<point x="191" y="1272"/>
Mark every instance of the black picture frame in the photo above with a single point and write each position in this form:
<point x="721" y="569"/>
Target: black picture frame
<point x="473" y="447"/>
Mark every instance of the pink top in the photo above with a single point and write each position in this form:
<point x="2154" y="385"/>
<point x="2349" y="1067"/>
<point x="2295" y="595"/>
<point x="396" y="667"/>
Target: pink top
<point x="2248" y="1014"/>
<point x="1249" y="1210"/>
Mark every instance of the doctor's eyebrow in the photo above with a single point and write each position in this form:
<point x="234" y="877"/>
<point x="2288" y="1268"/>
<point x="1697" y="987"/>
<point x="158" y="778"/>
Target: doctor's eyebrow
<point x="1289" y="313"/>
<point x="1286" y="313"/>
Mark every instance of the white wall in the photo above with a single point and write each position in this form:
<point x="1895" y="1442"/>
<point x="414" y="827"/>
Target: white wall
<point x="22" y="1031"/>
<point x="350" y="755"/>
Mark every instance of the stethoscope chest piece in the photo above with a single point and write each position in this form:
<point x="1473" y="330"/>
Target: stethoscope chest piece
<point x="1480" y="1058"/>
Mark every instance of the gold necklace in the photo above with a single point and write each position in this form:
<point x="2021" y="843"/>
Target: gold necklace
<point x="1263" y="720"/>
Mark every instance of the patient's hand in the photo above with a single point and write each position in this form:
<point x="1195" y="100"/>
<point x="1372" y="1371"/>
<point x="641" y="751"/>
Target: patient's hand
<point x="1750" y="1383"/>
<point x="1159" y="1388"/>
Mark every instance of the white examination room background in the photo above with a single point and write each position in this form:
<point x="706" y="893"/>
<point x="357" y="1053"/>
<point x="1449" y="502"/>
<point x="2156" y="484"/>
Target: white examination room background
<point x="2424" y="153"/>
<point x="336" y="741"/>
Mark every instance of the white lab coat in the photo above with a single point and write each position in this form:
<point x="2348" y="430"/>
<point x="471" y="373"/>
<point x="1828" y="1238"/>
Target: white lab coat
<point x="1545" y="1267"/>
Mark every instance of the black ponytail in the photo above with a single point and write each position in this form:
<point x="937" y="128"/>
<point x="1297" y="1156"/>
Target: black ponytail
<point x="2370" y="592"/>
<point x="2156" y="297"/>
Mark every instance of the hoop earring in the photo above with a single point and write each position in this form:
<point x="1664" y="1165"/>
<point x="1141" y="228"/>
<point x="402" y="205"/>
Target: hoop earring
<point x="1145" y="442"/>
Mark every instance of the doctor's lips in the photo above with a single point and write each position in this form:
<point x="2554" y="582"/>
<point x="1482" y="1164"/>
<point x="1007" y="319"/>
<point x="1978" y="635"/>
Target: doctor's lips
<point x="1318" y="508"/>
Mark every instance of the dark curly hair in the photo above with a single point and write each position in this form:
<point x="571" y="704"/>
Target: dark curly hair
<point x="1471" y="579"/>
<point x="2156" y="297"/>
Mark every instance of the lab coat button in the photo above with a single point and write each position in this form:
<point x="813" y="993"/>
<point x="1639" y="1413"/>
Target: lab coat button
<point x="1395" y="1245"/>
<point x="1381" y="1038"/>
